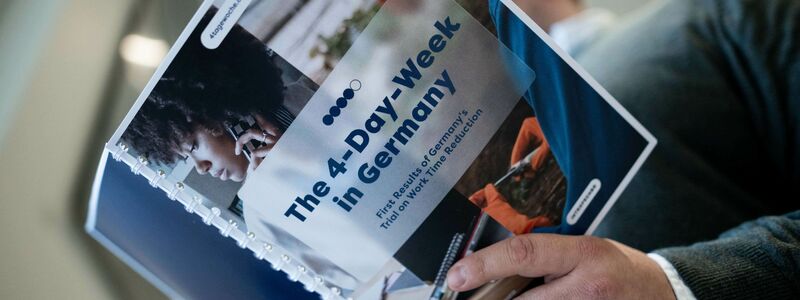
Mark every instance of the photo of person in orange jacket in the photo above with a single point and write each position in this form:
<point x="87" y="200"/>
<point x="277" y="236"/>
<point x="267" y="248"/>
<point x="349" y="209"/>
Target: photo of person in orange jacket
<point x="531" y="162"/>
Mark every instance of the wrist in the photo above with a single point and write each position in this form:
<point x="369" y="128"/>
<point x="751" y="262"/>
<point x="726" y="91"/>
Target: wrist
<point x="680" y="290"/>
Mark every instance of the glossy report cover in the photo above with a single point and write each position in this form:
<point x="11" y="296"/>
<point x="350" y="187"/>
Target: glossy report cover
<point x="364" y="142"/>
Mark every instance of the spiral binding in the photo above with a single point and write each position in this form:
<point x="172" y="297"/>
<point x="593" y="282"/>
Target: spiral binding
<point x="231" y="226"/>
<point x="262" y="250"/>
<point x="192" y="204"/>
<point x="120" y="150"/>
<point x="449" y="258"/>
<point x="141" y="162"/>
<point x="160" y="174"/>
<point x="173" y="195"/>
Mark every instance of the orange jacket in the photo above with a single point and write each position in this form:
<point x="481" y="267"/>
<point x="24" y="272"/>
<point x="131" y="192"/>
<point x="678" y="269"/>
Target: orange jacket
<point x="529" y="138"/>
<point x="494" y="204"/>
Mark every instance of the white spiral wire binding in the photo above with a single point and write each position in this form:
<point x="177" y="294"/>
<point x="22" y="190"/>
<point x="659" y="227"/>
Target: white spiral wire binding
<point x="192" y="204"/>
<point x="117" y="153"/>
<point x="173" y="194"/>
<point x="211" y="216"/>
<point x="293" y="273"/>
<point x="250" y="237"/>
<point x="160" y="174"/>
<point x="262" y="252"/>
<point x="141" y="162"/>
<point x="226" y="232"/>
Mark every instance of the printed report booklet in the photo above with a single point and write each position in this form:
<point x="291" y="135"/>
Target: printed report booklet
<point x="362" y="147"/>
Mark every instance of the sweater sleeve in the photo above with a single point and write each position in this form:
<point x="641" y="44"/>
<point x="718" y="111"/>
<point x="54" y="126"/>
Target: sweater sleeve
<point x="759" y="259"/>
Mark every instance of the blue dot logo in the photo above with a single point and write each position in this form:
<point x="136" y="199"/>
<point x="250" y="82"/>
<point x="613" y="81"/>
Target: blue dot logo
<point x="347" y="95"/>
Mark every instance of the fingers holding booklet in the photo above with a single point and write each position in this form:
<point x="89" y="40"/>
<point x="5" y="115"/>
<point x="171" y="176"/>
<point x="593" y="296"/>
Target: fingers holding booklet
<point x="364" y="147"/>
<point x="579" y="267"/>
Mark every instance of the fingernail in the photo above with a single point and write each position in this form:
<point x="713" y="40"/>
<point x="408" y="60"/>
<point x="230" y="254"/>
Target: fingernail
<point x="456" y="277"/>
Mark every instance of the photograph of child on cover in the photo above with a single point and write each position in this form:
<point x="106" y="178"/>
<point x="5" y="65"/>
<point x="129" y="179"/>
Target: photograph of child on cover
<point x="221" y="111"/>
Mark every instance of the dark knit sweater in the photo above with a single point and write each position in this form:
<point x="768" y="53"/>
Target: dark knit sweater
<point x="718" y="83"/>
<point x="759" y="259"/>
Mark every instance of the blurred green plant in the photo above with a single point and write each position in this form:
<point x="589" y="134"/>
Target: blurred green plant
<point x="334" y="47"/>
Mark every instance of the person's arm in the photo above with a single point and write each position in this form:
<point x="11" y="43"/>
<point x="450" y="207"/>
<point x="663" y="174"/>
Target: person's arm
<point x="759" y="259"/>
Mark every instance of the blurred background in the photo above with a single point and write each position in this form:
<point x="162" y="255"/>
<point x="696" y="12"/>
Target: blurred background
<point x="69" y="72"/>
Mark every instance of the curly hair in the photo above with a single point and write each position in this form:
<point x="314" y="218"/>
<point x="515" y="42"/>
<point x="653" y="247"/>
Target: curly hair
<point x="210" y="89"/>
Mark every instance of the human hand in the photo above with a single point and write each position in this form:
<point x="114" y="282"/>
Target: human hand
<point x="269" y="136"/>
<point x="573" y="267"/>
